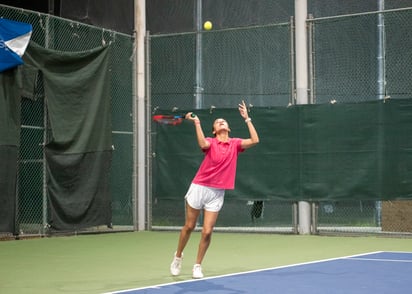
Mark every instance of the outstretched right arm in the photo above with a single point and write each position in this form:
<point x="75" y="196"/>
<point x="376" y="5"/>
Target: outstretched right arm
<point x="201" y="140"/>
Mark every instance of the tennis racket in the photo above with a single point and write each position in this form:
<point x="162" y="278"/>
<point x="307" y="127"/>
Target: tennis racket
<point x="170" y="119"/>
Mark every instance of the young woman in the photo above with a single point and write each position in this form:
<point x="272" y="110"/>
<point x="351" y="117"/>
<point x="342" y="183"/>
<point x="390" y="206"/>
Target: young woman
<point x="215" y="175"/>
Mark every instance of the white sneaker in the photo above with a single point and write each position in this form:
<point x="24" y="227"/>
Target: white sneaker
<point x="176" y="265"/>
<point x="197" y="271"/>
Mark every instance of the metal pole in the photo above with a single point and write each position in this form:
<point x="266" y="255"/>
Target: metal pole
<point x="315" y="210"/>
<point x="139" y="121"/>
<point x="199" y="69"/>
<point x="292" y="62"/>
<point x="381" y="82"/>
<point x="302" y="91"/>
<point x="45" y="138"/>
<point x="381" y="50"/>
<point x="148" y="134"/>
<point x="301" y="52"/>
<point x="311" y="62"/>
<point x="295" y="221"/>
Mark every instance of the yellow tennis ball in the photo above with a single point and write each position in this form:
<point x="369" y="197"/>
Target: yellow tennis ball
<point x="207" y="25"/>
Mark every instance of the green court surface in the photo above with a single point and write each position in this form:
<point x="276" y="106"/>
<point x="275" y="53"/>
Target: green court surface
<point x="110" y="262"/>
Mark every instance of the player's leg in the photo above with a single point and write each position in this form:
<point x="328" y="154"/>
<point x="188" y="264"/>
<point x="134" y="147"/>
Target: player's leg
<point x="210" y="214"/>
<point x="190" y="224"/>
<point x="209" y="221"/>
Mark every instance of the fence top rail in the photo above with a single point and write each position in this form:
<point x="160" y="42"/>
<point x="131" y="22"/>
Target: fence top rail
<point x="223" y="30"/>
<point x="358" y="14"/>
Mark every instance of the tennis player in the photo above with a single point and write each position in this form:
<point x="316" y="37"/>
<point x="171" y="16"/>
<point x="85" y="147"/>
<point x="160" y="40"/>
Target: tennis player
<point x="215" y="175"/>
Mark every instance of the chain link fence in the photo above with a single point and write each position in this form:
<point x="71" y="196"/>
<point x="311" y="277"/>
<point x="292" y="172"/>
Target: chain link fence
<point x="355" y="58"/>
<point x="63" y="35"/>
<point x="215" y="70"/>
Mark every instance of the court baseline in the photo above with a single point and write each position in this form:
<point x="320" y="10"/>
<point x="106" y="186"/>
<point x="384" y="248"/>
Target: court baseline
<point x="376" y="272"/>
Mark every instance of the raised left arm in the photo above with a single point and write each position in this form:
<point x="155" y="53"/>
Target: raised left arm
<point x="254" y="137"/>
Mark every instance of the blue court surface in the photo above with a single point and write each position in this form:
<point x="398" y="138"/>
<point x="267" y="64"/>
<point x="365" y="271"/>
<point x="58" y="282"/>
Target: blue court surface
<point x="377" y="272"/>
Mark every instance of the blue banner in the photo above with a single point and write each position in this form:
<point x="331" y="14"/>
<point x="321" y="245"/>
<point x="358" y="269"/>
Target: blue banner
<point x="14" y="38"/>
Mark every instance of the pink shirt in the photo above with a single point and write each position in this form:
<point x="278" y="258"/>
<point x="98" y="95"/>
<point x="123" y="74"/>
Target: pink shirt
<point x="218" y="169"/>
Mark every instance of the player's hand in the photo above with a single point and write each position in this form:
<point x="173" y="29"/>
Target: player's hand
<point x="191" y="116"/>
<point x="243" y="110"/>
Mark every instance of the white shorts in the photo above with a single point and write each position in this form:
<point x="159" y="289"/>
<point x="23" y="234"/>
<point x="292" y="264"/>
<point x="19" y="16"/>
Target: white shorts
<point x="207" y="198"/>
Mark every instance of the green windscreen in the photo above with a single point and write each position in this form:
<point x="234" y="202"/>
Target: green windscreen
<point x="353" y="151"/>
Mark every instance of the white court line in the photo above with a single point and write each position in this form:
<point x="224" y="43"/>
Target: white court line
<point x="380" y="259"/>
<point x="356" y="256"/>
<point x="377" y="259"/>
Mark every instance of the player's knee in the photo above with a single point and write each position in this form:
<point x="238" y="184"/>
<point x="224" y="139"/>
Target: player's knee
<point x="190" y="227"/>
<point x="207" y="233"/>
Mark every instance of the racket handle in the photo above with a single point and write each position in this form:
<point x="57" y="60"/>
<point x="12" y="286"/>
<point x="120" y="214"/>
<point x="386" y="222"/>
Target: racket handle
<point x="193" y="115"/>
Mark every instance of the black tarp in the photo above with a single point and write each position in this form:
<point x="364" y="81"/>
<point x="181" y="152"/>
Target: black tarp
<point x="78" y="154"/>
<point x="9" y="143"/>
